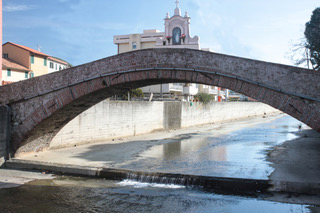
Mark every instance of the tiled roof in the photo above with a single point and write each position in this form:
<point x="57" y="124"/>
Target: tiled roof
<point x="11" y="64"/>
<point x="57" y="60"/>
<point x="28" y="49"/>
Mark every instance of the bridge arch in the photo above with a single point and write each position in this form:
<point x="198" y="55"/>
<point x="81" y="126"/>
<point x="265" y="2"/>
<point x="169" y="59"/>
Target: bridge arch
<point x="41" y="106"/>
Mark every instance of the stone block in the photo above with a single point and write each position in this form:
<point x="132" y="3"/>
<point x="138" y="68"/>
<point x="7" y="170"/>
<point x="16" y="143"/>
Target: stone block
<point x="314" y="121"/>
<point x="150" y="75"/>
<point x="50" y="106"/>
<point x="166" y="74"/>
<point x="27" y="125"/>
<point x="10" y="93"/>
<point x="180" y="75"/>
<point x="96" y="84"/>
<point x="238" y="86"/>
<point x="295" y="108"/>
<point x="39" y="115"/>
<point x="262" y="92"/>
<point x="80" y="90"/>
<point x="250" y="90"/>
<point x="65" y="96"/>
<point x="229" y="83"/>
<point x="273" y="98"/>
<point x="16" y="139"/>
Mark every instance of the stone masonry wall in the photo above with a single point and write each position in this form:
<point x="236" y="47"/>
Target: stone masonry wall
<point x="115" y="119"/>
<point x="4" y="133"/>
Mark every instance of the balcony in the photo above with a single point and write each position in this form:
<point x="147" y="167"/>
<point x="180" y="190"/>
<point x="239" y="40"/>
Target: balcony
<point x="210" y="91"/>
<point x="175" y="87"/>
<point x="190" y="90"/>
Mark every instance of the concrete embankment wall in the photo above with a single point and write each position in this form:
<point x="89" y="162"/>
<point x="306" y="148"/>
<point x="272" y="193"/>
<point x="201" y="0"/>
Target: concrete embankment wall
<point x="115" y="119"/>
<point x="217" y="112"/>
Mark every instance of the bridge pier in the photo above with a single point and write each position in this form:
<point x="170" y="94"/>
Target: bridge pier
<point x="4" y="133"/>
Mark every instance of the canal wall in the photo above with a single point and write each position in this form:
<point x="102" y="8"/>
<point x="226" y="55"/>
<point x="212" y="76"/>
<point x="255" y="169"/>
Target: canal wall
<point x="115" y="119"/>
<point x="215" y="112"/>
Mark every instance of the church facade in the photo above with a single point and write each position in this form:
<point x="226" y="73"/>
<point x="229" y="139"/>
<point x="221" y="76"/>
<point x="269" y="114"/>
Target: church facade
<point x="176" y="35"/>
<point x="177" y="32"/>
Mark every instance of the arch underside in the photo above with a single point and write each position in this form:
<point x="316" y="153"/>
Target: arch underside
<point x="86" y="94"/>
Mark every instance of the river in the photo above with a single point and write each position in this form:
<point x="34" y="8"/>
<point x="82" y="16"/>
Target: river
<point x="240" y="154"/>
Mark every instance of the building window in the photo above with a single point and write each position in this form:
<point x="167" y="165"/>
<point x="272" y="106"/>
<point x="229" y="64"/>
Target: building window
<point x="5" y="55"/>
<point x="45" y="62"/>
<point x="26" y="74"/>
<point x="134" y="45"/>
<point x="51" y="65"/>
<point x="31" y="75"/>
<point x="59" y="67"/>
<point x="176" y="34"/>
<point x="32" y="59"/>
<point x="8" y="72"/>
<point x="56" y="67"/>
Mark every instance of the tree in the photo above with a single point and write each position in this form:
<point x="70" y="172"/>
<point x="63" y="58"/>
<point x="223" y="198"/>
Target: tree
<point x="300" y="54"/>
<point x="134" y="93"/>
<point x="312" y="35"/>
<point x="203" y="97"/>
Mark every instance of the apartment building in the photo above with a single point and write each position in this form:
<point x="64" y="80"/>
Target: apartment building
<point x="21" y="62"/>
<point x="13" y="72"/>
<point x="56" y="64"/>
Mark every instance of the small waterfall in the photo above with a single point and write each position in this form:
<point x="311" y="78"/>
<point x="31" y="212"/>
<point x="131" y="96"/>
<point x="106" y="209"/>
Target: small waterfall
<point x="217" y="184"/>
<point x="160" y="179"/>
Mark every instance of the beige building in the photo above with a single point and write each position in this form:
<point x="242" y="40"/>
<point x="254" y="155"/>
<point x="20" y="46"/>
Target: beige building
<point x="133" y="42"/>
<point x="19" y="59"/>
<point x="176" y="35"/>
<point x="27" y="57"/>
<point x="13" y="72"/>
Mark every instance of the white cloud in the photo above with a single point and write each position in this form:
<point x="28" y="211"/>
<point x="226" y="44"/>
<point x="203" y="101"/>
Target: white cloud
<point x="17" y="8"/>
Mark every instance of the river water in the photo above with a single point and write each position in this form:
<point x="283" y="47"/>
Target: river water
<point x="242" y="153"/>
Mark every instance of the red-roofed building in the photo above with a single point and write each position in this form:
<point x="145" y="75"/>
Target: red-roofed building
<point x="32" y="61"/>
<point x="56" y="64"/>
<point x="13" y="71"/>
<point x="27" y="57"/>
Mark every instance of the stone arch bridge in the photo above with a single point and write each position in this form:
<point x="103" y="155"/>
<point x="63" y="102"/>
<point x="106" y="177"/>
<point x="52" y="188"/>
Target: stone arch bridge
<point x="41" y="106"/>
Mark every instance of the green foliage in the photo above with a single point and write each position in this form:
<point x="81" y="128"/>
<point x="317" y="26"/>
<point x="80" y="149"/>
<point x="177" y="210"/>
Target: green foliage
<point x="134" y="93"/>
<point x="312" y="34"/>
<point x="203" y="97"/>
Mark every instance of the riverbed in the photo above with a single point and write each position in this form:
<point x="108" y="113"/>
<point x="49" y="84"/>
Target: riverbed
<point x="238" y="149"/>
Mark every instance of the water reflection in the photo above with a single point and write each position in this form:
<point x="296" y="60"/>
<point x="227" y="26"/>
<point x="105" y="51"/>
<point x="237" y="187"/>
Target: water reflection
<point x="240" y="154"/>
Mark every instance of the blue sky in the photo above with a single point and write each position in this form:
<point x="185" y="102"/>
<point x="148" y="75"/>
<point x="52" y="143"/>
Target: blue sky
<point x="81" y="31"/>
